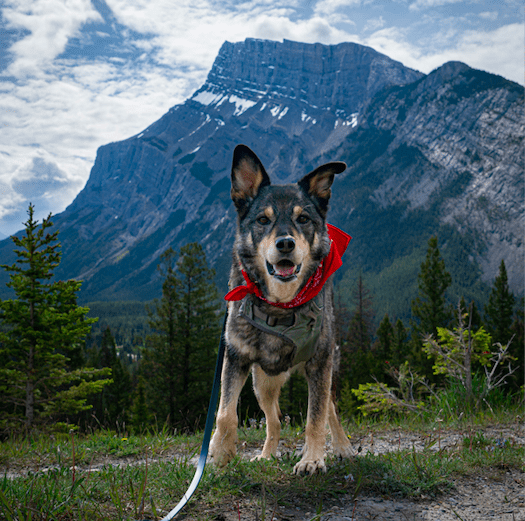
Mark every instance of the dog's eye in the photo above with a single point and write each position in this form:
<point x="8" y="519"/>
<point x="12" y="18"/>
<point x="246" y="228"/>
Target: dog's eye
<point x="263" y="220"/>
<point x="303" y="219"/>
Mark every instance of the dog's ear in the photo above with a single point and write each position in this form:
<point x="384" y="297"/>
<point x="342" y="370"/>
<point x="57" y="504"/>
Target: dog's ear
<point x="317" y="183"/>
<point x="248" y="177"/>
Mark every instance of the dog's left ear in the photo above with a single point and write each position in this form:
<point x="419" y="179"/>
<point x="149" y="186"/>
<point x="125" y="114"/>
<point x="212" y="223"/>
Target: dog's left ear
<point x="248" y="177"/>
<point x="317" y="183"/>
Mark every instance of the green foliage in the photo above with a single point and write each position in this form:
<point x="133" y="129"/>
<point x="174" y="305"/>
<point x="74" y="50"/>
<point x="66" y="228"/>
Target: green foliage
<point x="407" y="395"/>
<point x="179" y="357"/>
<point x="140" y="412"/>
<point x="42" y="336"/>
<point x="458" y="351"/>
<point x="111" y="408"/>
<point x="429" y="308"/>
<point x="500" y="308"/>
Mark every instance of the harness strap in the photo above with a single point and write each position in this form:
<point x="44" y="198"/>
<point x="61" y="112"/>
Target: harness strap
<point x="300" y="329"/>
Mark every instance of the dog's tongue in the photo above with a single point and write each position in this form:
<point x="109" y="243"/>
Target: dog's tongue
<point x="285" y="271"/>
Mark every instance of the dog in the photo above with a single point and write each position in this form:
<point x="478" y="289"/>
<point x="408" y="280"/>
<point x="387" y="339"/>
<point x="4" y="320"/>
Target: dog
<point x="280" y="307"/>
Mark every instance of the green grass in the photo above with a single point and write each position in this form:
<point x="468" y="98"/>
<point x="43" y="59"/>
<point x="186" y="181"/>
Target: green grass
<point x="79" y="478"/>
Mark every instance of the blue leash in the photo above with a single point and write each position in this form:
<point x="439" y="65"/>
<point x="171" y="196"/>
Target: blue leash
<point x="207" y="429"/>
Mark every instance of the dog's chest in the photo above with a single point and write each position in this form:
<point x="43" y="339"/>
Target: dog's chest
<point x="278" y="343"/>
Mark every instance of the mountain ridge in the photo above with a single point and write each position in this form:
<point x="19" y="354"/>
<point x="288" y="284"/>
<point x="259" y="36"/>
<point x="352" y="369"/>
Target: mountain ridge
<point x="412" y="141"/>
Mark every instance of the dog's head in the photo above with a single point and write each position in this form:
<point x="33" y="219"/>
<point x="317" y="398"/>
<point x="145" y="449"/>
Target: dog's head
<point x="281" y="236"/>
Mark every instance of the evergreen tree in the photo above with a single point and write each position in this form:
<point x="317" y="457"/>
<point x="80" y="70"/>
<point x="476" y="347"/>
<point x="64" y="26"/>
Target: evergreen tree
<point x="362" y="320"/>
<point x="140" y="414"/>
<point x="517" y="346"/>
<point x="162" y="354"/>
<point x="500" y="308"/>
<point x="474" y="317"/>
<point x="399" y="344"/>
<point x="112" y="406"/>
<point x="180" y="356"/>
<point x="429" y="309"/>
<point x="358" y="362"/>
<point x="42" y="330"/>
<point x="385" y="339"/>
<point x="383" y="348"/>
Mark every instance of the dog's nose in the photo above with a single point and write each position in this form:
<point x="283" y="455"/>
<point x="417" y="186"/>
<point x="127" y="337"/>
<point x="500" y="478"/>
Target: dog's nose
<point x="285" y="244"/>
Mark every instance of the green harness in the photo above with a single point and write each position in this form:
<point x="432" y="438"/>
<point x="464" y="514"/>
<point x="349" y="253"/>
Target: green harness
<point x="300" y="328"/>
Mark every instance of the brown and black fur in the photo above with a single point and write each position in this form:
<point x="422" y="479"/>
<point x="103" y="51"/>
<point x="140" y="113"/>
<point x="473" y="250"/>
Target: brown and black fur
<point x="281" y="239"/>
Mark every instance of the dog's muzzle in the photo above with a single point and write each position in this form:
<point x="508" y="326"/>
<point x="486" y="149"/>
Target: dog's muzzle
<point x="284" y="270"/>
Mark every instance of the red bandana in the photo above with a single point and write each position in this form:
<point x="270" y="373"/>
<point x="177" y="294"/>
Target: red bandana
<point x="332" y="262"/>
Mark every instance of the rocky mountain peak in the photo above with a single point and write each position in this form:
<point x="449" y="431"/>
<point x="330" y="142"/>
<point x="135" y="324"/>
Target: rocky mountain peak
<point x="437" y="153"/>
<point x="334" y="77"/>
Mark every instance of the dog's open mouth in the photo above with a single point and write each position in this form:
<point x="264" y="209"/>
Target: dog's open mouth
<point x="284" y="270"/>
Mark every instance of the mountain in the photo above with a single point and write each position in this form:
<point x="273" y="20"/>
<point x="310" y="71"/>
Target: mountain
<point x="438" y="153"/>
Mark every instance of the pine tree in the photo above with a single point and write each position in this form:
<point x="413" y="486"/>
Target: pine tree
<point x="161" y="364"/>
<point x="399" y="344"/>
<point x="358" y="363"/>
<point x="500" y="308"/>
<point x="42" y="329"/>
<point x="361" y="323"/>
<point x="112" y="406"/>
<point x="382" y="348"/>
<point x="180" y="356"/>
<point x="517" y="346"/>
<point x="430" y="309"/>
<point x="140" y="414"/>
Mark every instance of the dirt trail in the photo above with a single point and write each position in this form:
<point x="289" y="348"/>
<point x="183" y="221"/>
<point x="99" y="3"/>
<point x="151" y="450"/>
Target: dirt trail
<point x="499" y="497"/>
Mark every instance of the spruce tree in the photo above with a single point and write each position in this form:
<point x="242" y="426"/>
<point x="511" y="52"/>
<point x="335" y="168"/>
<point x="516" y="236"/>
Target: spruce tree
<point x="517" y="346"/>
<point x="361" y="322"/>
<point x="500" y="308"/>
<point x="180" y="356"/>
<point x="42" y="328"/>
<point x="399" y="344"/>
<point x="140" y="412"/>
<point x="382" y="348"/>
<point x="161" y="365"/>
<point x="358" y="363"/>
<point x="112" y="406"/>
<point x="430" y="309"/>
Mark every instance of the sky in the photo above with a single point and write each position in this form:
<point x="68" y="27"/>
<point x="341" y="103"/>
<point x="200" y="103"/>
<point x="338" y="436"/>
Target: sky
<point x="78" y="74"/>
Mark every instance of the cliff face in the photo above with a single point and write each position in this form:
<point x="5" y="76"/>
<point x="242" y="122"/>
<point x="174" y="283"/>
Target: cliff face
<point x="455" y="148"/>
<point x="443" y="149"/>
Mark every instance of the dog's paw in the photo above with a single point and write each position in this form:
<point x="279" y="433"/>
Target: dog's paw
<point x="221" y="458"/>
<point x="309" y="467"/>
<point x="222" y="450"/>
<point x="343" y="451"/>
<point x="259" y="457"/>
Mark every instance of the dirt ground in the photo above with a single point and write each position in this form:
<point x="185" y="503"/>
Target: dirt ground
<point x="498" y="497"/>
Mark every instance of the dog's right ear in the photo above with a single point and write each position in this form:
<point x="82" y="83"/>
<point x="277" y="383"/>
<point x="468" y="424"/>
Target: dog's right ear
<point x="248" y="177"/>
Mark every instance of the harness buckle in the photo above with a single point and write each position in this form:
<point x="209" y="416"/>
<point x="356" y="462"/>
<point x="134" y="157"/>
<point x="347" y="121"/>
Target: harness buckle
<point x="271" y="321"/>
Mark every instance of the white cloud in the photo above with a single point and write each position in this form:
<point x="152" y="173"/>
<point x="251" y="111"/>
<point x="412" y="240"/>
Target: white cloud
<point x="59" y="111"/>
<point x="489" y="15"/>
<point x="495" y="51"/>
<point x="51" y="23"/>
<point x="426" y="4"/>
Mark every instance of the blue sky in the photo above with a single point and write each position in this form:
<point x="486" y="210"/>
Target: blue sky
<point x="76" y="74"/>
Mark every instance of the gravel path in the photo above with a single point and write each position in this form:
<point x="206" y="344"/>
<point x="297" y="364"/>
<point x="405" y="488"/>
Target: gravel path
<point x="499" y="497"/>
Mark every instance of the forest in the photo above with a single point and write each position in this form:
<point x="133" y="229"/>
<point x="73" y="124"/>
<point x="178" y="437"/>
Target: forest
<point x="131" y="367"/>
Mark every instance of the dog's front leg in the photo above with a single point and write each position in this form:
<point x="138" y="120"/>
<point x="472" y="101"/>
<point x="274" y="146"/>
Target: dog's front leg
<point x="319" y="377"/>
<point x="267" y="389"/>
<point x="223" y="444"/>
